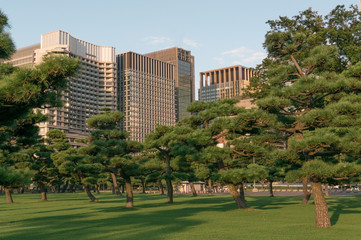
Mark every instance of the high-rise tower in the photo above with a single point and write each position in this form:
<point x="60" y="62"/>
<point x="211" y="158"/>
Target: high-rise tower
<point x="93" y="88"/>
<point x="183" y="63"/>
<point x="146" y="93"/>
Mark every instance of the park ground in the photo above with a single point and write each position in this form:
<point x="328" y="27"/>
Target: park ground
<point x="73" y="216"/>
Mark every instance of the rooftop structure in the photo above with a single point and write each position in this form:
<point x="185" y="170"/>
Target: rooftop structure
<point x="224" y="83"/>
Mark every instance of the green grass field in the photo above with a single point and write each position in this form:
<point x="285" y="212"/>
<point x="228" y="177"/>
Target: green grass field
<point x="73" y="216"/>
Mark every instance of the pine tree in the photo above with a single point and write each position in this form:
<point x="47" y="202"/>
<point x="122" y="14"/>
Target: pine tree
<point x="21" y="91"/>
<point x="308" y="78"/>
<point x="236" y="136"/>
<point x="108" y="146"/>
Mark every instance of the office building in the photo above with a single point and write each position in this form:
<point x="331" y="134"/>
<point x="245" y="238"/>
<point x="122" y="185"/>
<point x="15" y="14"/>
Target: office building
<point x="146" y="93"/>
<point x="224" y="83"/>
<point x="183" y="63"/>
<point x="94" y="87"/>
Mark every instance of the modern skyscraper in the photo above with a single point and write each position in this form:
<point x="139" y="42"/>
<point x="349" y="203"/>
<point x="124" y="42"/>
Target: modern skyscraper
<point x="184" y="77"/>
<point x="93" y="88"/>
<point x="224" y="83"/>
<point x="146" y="93"/>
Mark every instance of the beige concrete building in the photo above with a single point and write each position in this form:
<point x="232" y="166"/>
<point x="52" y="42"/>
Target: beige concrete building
<point x="146" y="93"/>
<point x="24" y="57"/>
<point x="224" y="83"/>
<point x="94" y="87"/>
<point x="183" y="63"/>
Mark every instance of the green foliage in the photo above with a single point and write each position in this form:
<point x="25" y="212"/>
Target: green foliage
<point x="28" y="88"/>
<point x="105" y="120"/>
<point x="253" y="172"/>
<point x="320" y="171"/>
<point x="21" y="91"/>
<point x="7" y="47"/>
<point x="310" y="81"/>
<point x="12" y="178"/>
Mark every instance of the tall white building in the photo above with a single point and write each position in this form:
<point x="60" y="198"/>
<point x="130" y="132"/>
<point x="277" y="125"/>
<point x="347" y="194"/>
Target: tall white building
<point x="94" y="87"/>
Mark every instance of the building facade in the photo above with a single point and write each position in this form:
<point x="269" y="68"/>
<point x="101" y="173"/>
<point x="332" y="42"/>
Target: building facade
<point x="224" y="83"/>
<point x="146" y="93"/>
<point x="184" y="78"/>
<point x="94" y="87"/>
<point x="24" y="57"/>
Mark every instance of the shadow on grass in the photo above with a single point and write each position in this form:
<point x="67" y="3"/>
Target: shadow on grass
<point x="152" y="217"/>
<point x="266" y="202"/>
<point x="114" y="221"/>
<point x="345" y="206"/>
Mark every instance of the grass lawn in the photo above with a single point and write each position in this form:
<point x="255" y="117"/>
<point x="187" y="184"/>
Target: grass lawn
<point x="73" y="216"/>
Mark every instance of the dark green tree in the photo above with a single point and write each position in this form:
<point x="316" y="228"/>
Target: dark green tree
<point x="310" y="71"/>
<point x="56" y="141"/>
<point x="109" y="146"/>
<point x="174" y="145"/>
<point x="236" y="136"/>
<point x="7" y="46"/>
<point x="242" y="141"/>
<point x="11" y="177"/>
<point x="21" y="91"/>
<point x="72" y="164"/>
<point x="203" y="113"/>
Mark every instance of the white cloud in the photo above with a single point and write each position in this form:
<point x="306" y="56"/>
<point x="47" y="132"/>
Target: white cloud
<point x="238" y="52"/>
<point x="220" y="60"/>
<point x="190" y="43"/>
<point x="153" y="40"/>
<point x="243" y="56"/>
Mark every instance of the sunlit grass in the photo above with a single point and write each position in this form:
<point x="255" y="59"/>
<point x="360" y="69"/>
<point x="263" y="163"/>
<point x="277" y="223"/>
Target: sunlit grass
<point x="73" y="216"/>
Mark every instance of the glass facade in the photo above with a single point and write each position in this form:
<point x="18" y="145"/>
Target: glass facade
<point x="184" y="93"/>
<point x="184" y="77"/>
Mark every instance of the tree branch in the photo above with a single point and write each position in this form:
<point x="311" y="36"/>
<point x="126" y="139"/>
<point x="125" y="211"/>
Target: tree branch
<point x="297" y="65"/>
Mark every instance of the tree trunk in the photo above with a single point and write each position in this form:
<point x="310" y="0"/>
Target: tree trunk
<point x="193" y="189"/>
<point x="322" y="217"/>
<point x="210" y="187"/>
<point x="168" y="180"/>
<point x="161" y="187"/>
<point x="241" y="192"/>
<point x="271" y="188"/>
<point x="306" y="193"/>
<point x="96" y="186"/>
<point x="71" y="188"/>
<point x="65" y="187"/>
<point x="43" y="192"/>
<point x="9" y="198"/>
<point x="169" y="190"/>
<point x="90" y="195"/>
<point x="115" y="184"/>
<point x="129" y="189"/>
<point x="113" y="189"/>
<point x="326" y="190"/>
<point x="143" y="186"/>
<point x="122" y="188"/>
<point x="236" y="196"/>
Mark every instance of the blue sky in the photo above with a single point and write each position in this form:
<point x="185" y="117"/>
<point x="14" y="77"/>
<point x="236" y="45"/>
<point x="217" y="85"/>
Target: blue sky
<point x="219" y="33"/>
